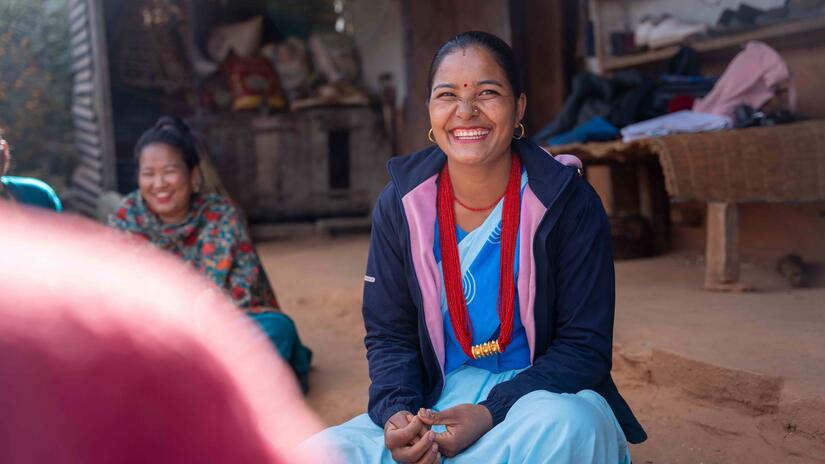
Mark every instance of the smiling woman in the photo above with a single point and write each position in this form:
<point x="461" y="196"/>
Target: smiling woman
<point x="207" y="231"/>
<point x="168" y="172"/>
<point x="489" y="296"/>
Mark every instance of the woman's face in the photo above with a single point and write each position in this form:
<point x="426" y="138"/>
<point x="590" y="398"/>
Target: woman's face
<point x="473" y="111"/>
<point x="165" y="182"/>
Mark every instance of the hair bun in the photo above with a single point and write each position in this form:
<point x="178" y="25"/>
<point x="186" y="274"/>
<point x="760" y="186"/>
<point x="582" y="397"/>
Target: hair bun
<point x="173" y="122"/>
<point x="174" y="132"/>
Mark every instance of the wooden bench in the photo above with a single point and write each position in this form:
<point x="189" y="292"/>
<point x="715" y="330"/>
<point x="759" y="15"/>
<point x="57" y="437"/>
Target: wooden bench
<point x="723" y="169"/>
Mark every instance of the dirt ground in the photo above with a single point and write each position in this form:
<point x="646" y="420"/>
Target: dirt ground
<point x="714" y="378"/>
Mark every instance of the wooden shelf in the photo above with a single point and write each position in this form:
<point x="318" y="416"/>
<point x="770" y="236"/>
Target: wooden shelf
<point x="706" y="44"/>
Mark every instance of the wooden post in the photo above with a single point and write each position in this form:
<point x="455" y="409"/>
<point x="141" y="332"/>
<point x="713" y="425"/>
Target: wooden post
<point x="542" y="31"/>
<point x="102" y="92"/>
<point x="722" y="248"/>
<point x="645" y="192"/>
<point x="598" y="175"/>
<point x="91" y="107"/>
<point x="654" y="204"/>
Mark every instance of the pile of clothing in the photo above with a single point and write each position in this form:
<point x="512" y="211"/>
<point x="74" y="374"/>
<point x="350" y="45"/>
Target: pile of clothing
<point x="654" y="32"/>
<point x="680" y="100"/>
<point x="658" y="31"/>
<point x="241" y="72"/>
<point x="745" y="16"/>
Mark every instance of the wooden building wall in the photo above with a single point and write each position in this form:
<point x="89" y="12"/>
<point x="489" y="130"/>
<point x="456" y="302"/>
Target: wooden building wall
<point x="321" y="162"/>
<point x="91" y="108"/>
<point x="301" y="165"/>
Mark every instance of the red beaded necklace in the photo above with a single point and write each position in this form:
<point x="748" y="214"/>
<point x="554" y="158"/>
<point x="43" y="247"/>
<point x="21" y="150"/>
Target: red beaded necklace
<point x="483" y="208"/>
<point x="451" y="266"/>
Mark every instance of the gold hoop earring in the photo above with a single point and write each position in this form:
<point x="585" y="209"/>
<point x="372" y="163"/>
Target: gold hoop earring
<point x="523" y="131"/>
<point x="430" y="136"/>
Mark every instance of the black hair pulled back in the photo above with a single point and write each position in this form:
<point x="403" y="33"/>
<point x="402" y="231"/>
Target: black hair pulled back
<point x="498" y="49"/>
<point x="174" y="132"/>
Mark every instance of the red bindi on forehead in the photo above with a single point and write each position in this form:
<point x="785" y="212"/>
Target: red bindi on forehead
<point x="465" y="84"/>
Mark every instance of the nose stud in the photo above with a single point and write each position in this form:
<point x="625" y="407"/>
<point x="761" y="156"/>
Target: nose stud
<point x="475" y="109"/>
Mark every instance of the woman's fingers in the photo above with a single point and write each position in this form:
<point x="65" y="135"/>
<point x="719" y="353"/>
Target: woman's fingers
<point x="423" y="431"/>
<point x="399" y="420"/>
<point x="446" y="442"/>
<point x="417" y="451"/>
<point x="430" y="457"/>
<point x="426" y="416"/>
<point x="404" y="435"/>
<point x="430" y="417"/>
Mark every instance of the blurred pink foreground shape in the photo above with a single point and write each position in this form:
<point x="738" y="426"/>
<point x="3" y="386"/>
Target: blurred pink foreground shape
<point x="115" y="353"/>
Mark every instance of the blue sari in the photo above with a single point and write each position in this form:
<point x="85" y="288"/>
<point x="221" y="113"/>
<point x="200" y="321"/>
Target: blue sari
<point x="541" y="427"/>
<point x="479" y="253"/>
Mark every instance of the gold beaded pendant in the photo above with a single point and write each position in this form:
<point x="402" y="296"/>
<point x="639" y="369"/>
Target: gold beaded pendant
<point x="486" y="349"/>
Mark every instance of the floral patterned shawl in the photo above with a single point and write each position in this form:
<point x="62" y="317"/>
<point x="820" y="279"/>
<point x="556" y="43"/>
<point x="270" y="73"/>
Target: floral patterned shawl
<point x="212" y="239"/>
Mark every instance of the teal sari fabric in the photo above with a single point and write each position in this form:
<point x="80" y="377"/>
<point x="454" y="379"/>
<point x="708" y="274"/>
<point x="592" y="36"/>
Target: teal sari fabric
<point x="32" y="192"/>
<point x="281" y="332"/>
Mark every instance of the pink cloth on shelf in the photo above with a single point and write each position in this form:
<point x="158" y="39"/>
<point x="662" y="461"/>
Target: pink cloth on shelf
<point x="749" y="79"/>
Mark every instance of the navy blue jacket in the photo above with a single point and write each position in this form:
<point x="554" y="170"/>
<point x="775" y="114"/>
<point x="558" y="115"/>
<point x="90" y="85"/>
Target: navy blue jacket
<point x="567" y="291"/>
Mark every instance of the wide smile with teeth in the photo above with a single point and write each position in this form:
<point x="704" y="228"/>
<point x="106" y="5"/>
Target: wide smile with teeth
<point x="470" y="134"/>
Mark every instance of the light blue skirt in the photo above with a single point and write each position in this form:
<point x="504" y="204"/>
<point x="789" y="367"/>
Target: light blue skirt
<point x="541" y="427"/>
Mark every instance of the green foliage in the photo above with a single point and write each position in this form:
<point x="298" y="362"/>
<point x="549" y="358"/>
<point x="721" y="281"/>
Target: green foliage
<point x="35" y="88"/>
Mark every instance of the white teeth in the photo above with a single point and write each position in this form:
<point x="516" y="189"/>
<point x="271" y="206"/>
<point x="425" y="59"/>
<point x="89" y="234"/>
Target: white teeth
<point x="471" y="133"/>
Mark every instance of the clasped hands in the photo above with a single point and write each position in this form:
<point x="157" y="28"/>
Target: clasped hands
<point x="410" y="438"/>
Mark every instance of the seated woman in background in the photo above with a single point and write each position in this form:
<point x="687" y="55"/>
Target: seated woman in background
<point x="206" y="230"/>
<point x="25" y="190"/>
